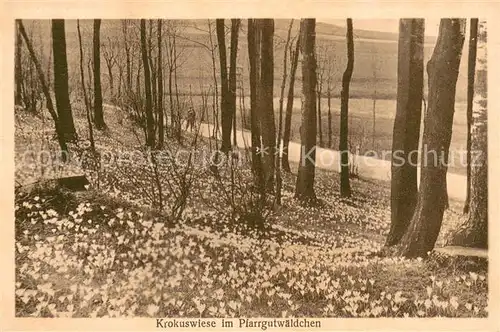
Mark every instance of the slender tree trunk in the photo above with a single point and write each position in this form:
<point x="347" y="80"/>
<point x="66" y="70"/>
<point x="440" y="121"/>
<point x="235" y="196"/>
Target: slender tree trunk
<point x="111" y="80"/>
<point x="153" y="70"/>
<point x="330" y="131"/>
<point x="470" y="95"/>
<point x="226" y="114"/>
<point x="50" y="106"/>
<point x="49" y="72"/>
<point x="231" y="114"/>
<point x="127" y="55"/>
<point x="215" y="107"/>
<point x="85" y="97"/>
<point x="98" y="111"/>
<point x="178" y="130"/>
<point x="304" y="189"/>
<point x="320" y="129"/>
<point x="374" y="103"/>
<point x="406" y="133"/>
<point x="442" y="69"/>
<point x="18" y="72"/>
<point x="254" y="58"/>
<point x="61" y="81"/>
<point x="161" y="129"/>
<point x="90" y="84"/>
<point x="266" y="100"/>
<point x="345" y="187"/>
<point x="289" y="107"/>
<point x="173" y="120"/>
<point x="280" y="119"/>
<point x="147" y="85"/>
<point x="474" y="231"/>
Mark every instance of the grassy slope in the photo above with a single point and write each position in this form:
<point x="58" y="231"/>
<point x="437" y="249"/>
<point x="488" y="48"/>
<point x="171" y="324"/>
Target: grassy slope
<point x="102" y="254"/>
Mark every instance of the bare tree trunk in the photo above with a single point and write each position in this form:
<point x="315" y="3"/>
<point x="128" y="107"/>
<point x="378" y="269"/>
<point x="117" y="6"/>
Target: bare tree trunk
<point x="127" y="55"/>
<point x="374" y="103"/>
<point x="320" y="129"/>
<point x="266" y="100"/>
<point x="406" y="133"/>
<point x="304" y="189"/>
<point x="470" y="96"/>
<point x="18" y="71"/>
<point x="111" y="80"/>
<point x="98" y="112"/>
<point x="50" y="106"/>
<point x="442" y="69"/>
<point x="474" y="231"/>
<point x="226" y="115"/>
<point x="150" y="138"/>
<point x="85" y="97"/>
<point x="330" y="130"/>
<point x="161" y="129"/>
<point x="254" y="58"/>
<point x="49" y="72"/>
<point x="289" y="107"/>
<point x="153" y="70"/>
<point x="61" y="81"/>
<point x="173" y="121"/>
<point x="231" y="115"/>
<point x="178" y="130"/>
<point x="345" y="187"/>
<point x="280" y="119"/>
<point x="90" y="84"/>
<point x="216" y="90"/>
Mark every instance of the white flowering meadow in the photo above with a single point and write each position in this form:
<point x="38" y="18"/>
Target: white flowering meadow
<point x="105" y="254"/>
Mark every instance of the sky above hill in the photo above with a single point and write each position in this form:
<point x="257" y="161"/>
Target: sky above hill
<point x="384" y="25"/>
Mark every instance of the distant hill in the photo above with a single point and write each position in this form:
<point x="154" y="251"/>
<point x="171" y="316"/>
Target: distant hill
<point x="375" y="66"/>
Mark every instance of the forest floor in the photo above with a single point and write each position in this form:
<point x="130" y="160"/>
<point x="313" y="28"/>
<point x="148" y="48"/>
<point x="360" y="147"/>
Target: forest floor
<point x="106" y="253"/>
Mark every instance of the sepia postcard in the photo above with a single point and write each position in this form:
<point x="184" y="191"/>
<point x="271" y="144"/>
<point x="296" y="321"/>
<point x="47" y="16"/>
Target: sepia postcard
<point x="249" y="165"/>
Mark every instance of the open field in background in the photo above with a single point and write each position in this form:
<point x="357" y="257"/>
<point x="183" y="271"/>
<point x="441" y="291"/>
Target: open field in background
<point x="360" y="124"/>
<point x="373" y="50"/>
<point x="375" y="73"/>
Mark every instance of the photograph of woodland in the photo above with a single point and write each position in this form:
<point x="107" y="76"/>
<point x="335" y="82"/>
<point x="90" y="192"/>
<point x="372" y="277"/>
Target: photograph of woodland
<point x="285" y="168"/>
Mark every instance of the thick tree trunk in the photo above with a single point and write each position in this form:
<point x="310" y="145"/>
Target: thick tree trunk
<point x="304" y="189"/>
<point x="61" y="81"/>
<point x="150" y="138"/>
<point x="470" y="95"/>
<point x="345" y="187"/>
<point x="254" y="59"/>
<point x="226" y="114"/>
<point x="18" y="72"/>
<point x="161" y="117"/>
<point x="231" y="114"/>
<point x="442" y="69"/>
<point x="50" y="106"/>
<point x="406" y="133"/>
<point x="266" y="100"/>
<point x="98" y="112"/>
<point x="289" y="108"/>
<point x="474" y="232"/>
